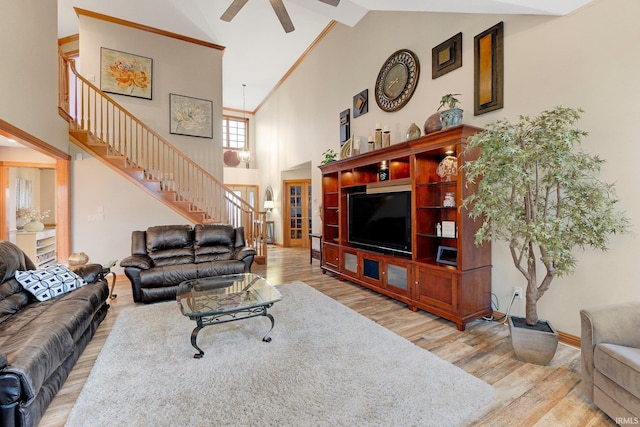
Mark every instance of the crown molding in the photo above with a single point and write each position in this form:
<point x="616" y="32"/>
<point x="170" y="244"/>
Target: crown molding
<point x="142" y="27"/>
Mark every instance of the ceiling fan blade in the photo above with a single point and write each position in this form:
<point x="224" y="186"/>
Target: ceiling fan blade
<point x="331" y="2"/>
<point x="283" y="16"/>
<point x="233" y="10"/>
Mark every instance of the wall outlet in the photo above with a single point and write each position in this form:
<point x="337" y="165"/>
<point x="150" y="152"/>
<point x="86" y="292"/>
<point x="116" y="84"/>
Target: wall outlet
<point x="517" y="292"/>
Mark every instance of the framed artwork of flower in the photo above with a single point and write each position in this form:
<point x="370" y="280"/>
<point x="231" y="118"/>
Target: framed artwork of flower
<point x="190" y="116"/>
<point x="125" y="74"/>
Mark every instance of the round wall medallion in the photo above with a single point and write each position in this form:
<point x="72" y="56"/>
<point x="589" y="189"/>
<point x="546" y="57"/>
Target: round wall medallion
<point x="397" y="80"/>
<point x="231" y="158"/>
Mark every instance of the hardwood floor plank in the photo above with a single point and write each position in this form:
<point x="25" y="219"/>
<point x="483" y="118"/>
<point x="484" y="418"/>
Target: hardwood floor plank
<point x="527" y="395"/>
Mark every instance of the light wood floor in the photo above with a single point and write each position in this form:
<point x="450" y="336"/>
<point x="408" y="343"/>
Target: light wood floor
<point x="527" y="395"/>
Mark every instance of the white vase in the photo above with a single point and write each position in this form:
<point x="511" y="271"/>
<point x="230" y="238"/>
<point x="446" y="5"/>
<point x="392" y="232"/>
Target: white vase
<point x="33" y="225"/>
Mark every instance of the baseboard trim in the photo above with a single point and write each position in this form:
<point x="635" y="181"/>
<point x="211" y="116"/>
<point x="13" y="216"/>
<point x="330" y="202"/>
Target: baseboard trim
<point x="563" y="337"/>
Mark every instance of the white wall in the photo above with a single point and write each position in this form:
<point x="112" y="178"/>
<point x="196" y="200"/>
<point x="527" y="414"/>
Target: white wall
<point x="179" y="67"/>
<point x="29" y="72"/>
<point x="588" y="59"/>
<point x="106" y="206"/>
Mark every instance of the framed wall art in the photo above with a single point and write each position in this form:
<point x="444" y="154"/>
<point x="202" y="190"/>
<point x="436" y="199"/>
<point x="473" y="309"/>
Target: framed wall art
<point x="447" y="56"/>
<point x="125" y="73"/>
<point x="190" y="116"/>
<point x="344" y="127"/>
<point x="488" y="70"/>
<point x="361" y="103"/>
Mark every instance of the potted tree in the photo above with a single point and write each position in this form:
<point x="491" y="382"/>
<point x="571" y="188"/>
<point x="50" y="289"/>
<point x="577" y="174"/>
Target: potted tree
<point x="539" y="192"/>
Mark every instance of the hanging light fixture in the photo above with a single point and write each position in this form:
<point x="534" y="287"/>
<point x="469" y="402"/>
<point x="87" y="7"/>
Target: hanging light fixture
<point x="244" y="155"/>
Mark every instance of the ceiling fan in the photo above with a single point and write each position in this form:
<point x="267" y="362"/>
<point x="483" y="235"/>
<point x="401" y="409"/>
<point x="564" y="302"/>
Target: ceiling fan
<point x="278" y="8"/>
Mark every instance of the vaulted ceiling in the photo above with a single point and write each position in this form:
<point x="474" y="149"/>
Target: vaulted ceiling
<point x="258" y="52"/>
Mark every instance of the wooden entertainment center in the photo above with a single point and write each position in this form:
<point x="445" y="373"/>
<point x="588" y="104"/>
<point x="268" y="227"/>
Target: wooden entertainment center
<point x="458" y="290"/>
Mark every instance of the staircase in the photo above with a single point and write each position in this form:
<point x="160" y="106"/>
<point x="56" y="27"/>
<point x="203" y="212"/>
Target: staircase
<point x="117" y="138"/>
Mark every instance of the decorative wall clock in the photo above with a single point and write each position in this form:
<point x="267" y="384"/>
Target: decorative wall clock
<point x="397" y="80"/>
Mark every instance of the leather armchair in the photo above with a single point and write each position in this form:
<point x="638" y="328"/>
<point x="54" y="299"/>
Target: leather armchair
<point x="611" y="359"/>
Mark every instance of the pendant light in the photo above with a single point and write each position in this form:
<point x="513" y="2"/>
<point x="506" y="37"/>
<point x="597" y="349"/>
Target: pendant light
<point x="244" y="154"/>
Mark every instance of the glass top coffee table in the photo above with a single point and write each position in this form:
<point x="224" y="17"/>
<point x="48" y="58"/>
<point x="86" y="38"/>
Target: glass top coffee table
<point x="222" y="299"/>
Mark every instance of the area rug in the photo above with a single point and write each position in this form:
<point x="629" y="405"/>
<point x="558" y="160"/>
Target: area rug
<point x="325" y="366"/>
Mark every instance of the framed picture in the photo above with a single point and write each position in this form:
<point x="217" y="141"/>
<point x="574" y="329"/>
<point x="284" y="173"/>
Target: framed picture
<point x="361" y="103"/>
<point x="447" y="56"/>
<point x="125" y="74"/>
<point x="488" y="70"/>
<point x="344" y="127"/>
<point x="190" y="116"/>
<point x="447" y="255"/>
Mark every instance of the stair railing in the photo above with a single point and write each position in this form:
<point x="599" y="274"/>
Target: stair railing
<point x="89" y="109"/>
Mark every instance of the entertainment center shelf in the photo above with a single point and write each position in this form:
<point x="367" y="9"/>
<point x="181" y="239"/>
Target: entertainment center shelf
<point x="406" y="236"/>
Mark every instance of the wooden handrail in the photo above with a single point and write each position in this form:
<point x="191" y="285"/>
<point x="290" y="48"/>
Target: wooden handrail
<point x="89" y="109"/>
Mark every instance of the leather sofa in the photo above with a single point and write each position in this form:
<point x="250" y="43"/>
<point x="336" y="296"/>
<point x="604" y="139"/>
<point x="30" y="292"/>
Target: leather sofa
<point x="165" y="255"/>
<point x="611" y="359"/>
<point x="40" y="341"/>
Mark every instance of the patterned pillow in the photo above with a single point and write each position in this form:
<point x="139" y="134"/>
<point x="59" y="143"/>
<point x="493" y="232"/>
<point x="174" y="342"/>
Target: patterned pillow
<point x="54" y="280"/>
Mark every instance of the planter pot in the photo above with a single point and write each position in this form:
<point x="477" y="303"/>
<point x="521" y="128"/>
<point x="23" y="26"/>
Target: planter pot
<point x="533" y="344"/>
<point x="449" y="118"/>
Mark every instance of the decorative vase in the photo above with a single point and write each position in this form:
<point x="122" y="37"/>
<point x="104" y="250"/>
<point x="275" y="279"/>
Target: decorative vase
<point x="33" y="225"/>
<point x="449" y="118"/>
<point x="533" y="345"/>
<point x="77" y="259"/>
<point x="432" y="124"/>
<point x="413" y="132"/>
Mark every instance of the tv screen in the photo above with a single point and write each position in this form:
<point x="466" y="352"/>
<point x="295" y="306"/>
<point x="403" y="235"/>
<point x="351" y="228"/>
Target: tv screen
<point x="381" y="221"/>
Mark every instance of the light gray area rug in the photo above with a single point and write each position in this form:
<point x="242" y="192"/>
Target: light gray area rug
<point x="326" y="366"/>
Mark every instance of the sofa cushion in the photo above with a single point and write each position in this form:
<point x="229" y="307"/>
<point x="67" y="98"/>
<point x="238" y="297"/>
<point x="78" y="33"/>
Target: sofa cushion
<point x="13" y="297"/>
<point x="12" y="259"/>
<point x="36" y="350"/>
<point x="213" y="235"/>
<point x="213" y="242"/>
<point x="220" y="268"/>
<point x="170" y="244"/>
<point x="49" y="282"/>
<point x="620" y="364"/>
<point x="161" y="276"/>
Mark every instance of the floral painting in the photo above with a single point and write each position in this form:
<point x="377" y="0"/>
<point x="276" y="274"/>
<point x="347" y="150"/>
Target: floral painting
<point x="191" y="116"/>
<point x="125" y="74"/>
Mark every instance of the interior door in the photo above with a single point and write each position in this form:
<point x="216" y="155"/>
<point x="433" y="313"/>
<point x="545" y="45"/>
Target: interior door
<point x="297" y="209"/>
<point x="249" y="193"/>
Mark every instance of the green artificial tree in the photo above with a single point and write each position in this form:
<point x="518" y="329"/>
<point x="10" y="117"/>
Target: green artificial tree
<point x="540" y="192"/>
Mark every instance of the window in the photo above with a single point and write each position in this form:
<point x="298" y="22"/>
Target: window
<point x="235" y="132"/>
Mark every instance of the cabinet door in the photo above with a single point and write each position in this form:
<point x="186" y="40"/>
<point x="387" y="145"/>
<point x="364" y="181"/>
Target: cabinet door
<point x="436" y="287"/>
<point x="396" y="276"/>
<point x="350" y="263"/>
<point x="371" y="268"/>
<point x="330" y="256"/>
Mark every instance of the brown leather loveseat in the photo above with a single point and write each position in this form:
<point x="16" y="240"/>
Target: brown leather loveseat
<point x="165" y="255"/>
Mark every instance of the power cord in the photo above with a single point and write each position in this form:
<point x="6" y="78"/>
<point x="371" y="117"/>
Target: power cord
<point x="494" y="298"/>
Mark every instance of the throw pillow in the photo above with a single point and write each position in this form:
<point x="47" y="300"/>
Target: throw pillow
<point x="50" y="282"/>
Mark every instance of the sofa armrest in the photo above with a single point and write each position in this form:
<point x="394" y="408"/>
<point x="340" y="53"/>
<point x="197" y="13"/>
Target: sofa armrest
<point x="89" y="272"/>
<point x="143" y="262"/>
<point x="241" y="253"/>
<point x="3" y="361"/>
<point x="246" y="255"/>
<point x="614" y="324"/>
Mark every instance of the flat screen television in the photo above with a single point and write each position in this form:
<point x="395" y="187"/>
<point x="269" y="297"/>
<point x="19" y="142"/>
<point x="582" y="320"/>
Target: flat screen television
<point x="380" y="221"/>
